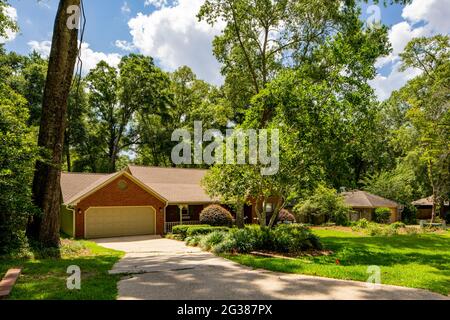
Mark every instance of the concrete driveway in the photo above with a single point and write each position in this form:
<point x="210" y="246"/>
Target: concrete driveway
<point x="166" y="269"/>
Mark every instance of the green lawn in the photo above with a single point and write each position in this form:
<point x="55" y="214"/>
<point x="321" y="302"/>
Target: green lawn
<point x="46" y="278"/>
<point x="418" y="261"/>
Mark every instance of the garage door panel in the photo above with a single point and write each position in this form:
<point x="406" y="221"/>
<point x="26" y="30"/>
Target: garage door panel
<point x="119" y="221"/>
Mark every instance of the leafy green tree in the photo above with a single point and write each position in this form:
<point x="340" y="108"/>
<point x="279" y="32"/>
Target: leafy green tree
<point x="18" y="153"/>
<point x="76" y="125"/>
<point x="6" y="23"/>
<point x="25" y="75"/>
<point x="263" y="37"/>
<point x="324" y="202"/>
<point x="229" y="184"/>
<point x="137" y="90"/>
<point x="427" y="115"/>
<point x="403" y="184"/>
<point x="326" y="113"/>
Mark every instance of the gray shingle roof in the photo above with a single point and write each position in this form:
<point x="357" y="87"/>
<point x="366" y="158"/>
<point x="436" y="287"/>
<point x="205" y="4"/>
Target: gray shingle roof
<point x="363" y="199"/>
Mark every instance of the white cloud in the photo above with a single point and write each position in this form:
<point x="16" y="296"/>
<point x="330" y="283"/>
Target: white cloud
<point x="433" y="18"/>
<point x="89" y="57"/>
<point x="125" y="8"/>
<point x="174" y="36"/>
<point x="124" y="45"/>
<point x="10" y="12"/>
<point x="435" y="12"/>
<point x="42" y="47"/>
<point x="156" y="3"/>
<point x="385" y="85"/>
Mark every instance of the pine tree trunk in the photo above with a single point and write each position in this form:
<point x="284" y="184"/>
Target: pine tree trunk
<point x="46" y="183"/>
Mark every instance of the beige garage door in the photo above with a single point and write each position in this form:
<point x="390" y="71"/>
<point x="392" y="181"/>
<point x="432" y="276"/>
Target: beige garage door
<point x="119" y="221"/>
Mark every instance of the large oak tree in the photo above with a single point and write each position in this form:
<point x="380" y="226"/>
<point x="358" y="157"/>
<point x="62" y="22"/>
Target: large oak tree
<point x="46" y="183"/>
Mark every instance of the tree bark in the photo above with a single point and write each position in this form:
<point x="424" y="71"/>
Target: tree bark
<point x="276" y="211"/>
<point x="240" y="214"/>
<point x="46" y="183"/>
<point x="433" y="208"/>
<point x="67" y="151"/>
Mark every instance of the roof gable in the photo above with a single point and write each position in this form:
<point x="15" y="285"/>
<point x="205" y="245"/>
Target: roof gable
<point x="75" y="183"/>
<point x="363" y="199"/>
<point x="72" y="198"/>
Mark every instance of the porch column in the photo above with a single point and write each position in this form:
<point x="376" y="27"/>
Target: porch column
<point x="181" y="213"/>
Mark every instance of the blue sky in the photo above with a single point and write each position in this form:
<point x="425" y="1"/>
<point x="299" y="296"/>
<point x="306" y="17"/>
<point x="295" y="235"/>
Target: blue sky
<point x="170" y="32"/>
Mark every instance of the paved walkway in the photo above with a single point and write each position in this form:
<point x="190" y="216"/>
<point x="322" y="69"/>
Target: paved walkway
<point x="166" y="269"/>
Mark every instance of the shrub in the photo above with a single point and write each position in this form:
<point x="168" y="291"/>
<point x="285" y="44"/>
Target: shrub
<point x="361" y="224"/>
<point x="397" y="225"/>
<point x="309" y="212"/>
<point x="193" y="241"/>
<point x="286" y="238"/>
<point x="411" y="230"/>
<point x="261" y="236"/>
<point x="382" y="215"/>
<point x="202" y="230"/>
<point x="285" y="216"/>
<point x="226" y="246"/>
<point x="324" y="205"/>
<point x="409" y="214"/>
<point x="242" y="239"/>
<point x="182" y="229"/>
<point x="215" y="215"/>
<point x="211" y="239"/>
<point x="375" y="229"/>
<point x="293" y="238"/>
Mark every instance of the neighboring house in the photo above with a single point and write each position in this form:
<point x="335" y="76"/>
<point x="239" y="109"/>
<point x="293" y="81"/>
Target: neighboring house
<point x="424" y="207"/>
<point x="364" y="205"/>
<point x="135" y="201"/>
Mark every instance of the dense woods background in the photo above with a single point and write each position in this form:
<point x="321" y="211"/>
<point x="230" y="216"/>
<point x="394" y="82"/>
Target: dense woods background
<point x="309" y="79"/>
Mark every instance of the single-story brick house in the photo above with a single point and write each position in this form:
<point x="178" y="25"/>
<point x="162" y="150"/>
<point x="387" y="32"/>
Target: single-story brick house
<point x="424" y="207"/>
<point x="135" y="201"/>
<point x="364" y="204"/>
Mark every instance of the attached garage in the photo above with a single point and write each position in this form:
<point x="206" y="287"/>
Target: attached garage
<point x="119" y="221"/>
<point x="110" y="205"/>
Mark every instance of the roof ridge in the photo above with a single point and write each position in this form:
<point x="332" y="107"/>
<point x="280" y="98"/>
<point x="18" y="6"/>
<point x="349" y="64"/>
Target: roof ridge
<point x="87" y="173"/>
<point x="155" y="167"/>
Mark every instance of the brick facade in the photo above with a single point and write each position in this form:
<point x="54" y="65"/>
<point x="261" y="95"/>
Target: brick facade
<point x="112" y="195"/>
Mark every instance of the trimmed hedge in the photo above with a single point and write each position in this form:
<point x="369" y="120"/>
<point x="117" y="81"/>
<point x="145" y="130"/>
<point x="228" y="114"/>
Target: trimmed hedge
<point x="182" y="229"/>
<point x="215" y="215"/>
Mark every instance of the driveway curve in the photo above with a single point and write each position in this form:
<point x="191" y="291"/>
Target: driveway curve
<point x="163" y="269"/>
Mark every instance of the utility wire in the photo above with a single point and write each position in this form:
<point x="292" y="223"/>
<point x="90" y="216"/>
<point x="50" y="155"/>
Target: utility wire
<point x="79" y="65"/>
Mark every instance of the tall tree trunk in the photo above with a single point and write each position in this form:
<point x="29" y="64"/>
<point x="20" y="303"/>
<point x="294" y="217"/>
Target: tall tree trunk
<point x="433" y="208"/>
<point x="46" y="183"/>
<point x="67" y="151"/>
<point x="240" y="214"/>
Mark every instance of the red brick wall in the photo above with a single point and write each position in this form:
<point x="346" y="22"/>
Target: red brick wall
<point x="111" y="196"/>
